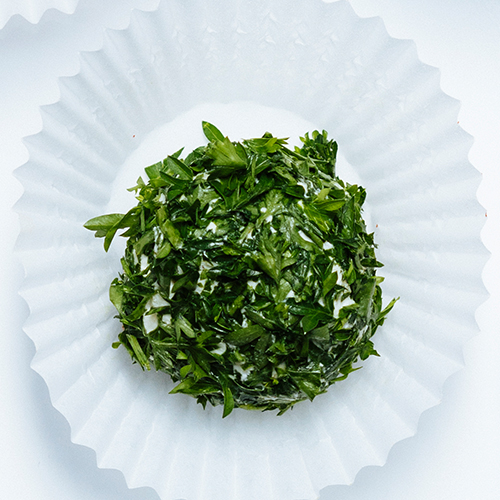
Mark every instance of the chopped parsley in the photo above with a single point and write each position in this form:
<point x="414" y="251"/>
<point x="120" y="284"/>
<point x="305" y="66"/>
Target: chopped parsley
<point x="248" y="275"/>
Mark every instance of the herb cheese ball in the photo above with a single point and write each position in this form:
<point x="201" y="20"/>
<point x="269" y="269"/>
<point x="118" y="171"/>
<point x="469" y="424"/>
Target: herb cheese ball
<point x="248" y="275"/>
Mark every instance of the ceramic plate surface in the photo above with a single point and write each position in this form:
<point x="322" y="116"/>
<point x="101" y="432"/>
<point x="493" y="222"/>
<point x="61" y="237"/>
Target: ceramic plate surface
<point x="248" y="67"/>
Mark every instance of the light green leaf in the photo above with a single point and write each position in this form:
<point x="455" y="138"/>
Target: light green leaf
<point x="212" y="133"/>
<point x="139" y="353"/>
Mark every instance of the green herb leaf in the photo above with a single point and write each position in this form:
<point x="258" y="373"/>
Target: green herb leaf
<point x="138" y="352"/>
<point x="212" y="133"/>
<point x="103" y="222"/>
<point x="244" y="336"/>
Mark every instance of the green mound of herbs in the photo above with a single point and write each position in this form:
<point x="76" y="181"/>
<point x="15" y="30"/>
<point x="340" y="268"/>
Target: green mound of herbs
<point x="248" y="275"/>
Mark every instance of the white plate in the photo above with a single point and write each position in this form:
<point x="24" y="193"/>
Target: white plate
<point x="245" y="65"/>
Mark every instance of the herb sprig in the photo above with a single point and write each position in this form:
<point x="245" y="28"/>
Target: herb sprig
<point x="248" y="274"/>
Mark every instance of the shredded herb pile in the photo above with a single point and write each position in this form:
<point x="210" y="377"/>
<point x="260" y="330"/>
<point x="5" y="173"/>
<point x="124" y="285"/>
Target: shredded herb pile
<point x="248" y="275"/>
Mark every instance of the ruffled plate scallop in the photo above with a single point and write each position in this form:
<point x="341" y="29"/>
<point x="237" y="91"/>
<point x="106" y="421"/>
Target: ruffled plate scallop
<point x="234" y="63"/>
<point x="33" y="10"/>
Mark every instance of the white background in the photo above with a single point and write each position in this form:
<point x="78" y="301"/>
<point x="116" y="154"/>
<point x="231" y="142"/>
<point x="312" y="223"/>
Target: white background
<point x="456" y="452"/>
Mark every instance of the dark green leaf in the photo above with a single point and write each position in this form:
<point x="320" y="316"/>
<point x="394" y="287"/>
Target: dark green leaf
<point x="228" y="398"/>
<point x="244" y="336"/>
